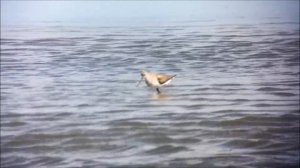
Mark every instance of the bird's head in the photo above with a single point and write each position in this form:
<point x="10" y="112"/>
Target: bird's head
<point x="143" y="74"/>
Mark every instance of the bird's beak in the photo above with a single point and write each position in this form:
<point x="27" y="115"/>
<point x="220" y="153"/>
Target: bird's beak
<point x="139" y="82"/>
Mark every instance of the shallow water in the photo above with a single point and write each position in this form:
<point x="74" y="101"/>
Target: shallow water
<point x="69" y="96"/>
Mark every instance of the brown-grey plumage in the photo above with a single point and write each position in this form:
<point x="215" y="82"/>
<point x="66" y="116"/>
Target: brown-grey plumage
<point x="155" y="80"/>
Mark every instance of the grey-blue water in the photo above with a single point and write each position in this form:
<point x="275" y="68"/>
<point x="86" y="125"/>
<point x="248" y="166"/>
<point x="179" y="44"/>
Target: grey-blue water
<point x="69" y="96"/>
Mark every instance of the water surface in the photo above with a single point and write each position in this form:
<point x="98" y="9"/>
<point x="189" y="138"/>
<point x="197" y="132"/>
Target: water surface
<point x="69" y="96"/>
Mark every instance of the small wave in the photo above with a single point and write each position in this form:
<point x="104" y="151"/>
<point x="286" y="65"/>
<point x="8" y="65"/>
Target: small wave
<point x="167" y="149"/>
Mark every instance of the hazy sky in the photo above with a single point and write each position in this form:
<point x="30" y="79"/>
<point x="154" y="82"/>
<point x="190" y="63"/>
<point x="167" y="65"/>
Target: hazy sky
<point x="105" y="12"/>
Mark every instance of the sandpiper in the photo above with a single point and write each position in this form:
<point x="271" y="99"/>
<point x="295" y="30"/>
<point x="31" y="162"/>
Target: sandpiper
<point x="155" y="80"/>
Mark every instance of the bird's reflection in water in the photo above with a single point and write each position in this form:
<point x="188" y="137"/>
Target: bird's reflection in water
<point x="159" y="96"/>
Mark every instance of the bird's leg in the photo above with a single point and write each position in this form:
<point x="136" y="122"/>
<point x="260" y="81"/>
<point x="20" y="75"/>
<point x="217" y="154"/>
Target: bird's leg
<point x="158" y="91"/>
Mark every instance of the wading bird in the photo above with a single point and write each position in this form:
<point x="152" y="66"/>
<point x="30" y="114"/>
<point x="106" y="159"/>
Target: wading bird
<point x="155" y="80"/>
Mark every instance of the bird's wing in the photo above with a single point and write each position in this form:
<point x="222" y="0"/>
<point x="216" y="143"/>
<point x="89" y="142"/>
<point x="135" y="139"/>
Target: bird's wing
<point x="164" y="78"/>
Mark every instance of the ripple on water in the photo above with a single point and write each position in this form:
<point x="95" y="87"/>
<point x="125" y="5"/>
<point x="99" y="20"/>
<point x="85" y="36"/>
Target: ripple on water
<point x="68" y="97"/>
